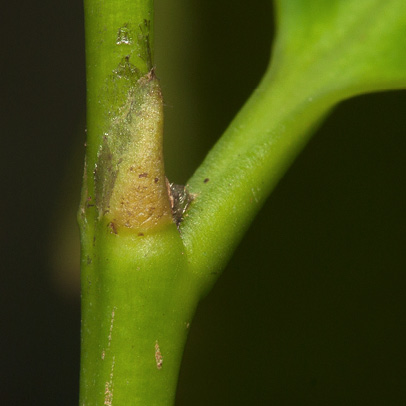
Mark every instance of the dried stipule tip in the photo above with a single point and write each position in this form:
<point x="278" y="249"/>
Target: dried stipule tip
<point x="131" y="188"/>
<point x="180" y="200"/>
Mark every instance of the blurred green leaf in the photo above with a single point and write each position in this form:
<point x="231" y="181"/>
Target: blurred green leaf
<point x="324" y="52"/>
<point x="351" y="46"/>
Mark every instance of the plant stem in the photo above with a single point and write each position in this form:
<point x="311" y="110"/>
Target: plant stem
<point x="137" y="309"/>
<point x="324" y="52"/>
<point x="115" y="31"/>
<point x="245" y="165"/>
<point x="138" y="297"/>
<point x="141" y="276"/>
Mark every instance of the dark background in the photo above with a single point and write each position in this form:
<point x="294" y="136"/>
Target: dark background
<point x="311" y="309"/>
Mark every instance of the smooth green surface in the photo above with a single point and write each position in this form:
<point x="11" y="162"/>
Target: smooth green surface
<point x="137" y="306"/>
<point x="348" y="47"/>
<point x="324" y="52"/>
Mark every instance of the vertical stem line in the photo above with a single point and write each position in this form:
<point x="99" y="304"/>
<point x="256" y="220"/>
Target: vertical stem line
<point x="138" y="296"/>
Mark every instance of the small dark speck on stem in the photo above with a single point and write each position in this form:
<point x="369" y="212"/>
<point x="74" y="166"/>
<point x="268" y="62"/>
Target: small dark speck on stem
<point x="113" y="227"/>
<point x="206" y="180"/>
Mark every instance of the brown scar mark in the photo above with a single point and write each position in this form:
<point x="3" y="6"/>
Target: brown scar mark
<point x="88" y="200"/>
<point x="158" y="356"/>
<point x="206" y="180"/>
<point x="108" y="387"/>
<point x="111" y="326"/>
<point x="113" y="227"/>
<point x="143" y="175"/>
<point x="156" y="180"/>
<point x="151" y="74"/>
<point x="140" y="234"/>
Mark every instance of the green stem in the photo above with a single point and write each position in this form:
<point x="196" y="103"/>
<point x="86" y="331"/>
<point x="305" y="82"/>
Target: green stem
<point x="141" y="276"/>
<point x="324" y="52"/>
<point x="138" y="297"/>
<point x="245" y="165"/>
<point x="137" y="307"/>
<point x="116" y="31"/>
